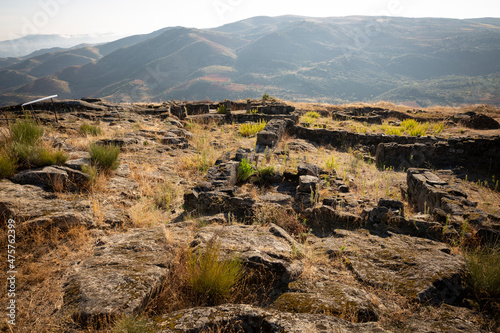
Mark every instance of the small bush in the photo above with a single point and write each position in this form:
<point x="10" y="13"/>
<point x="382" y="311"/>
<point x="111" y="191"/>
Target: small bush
<point x="245" y="170"/>
<point x="104" y="157"/>
<point x="266" y="97"/>
<point x="88" y="129"/>
<point x="26" y="131"/>
<point x="252" y="111"/>
<point x="7" y="165"/>
<point x="211" y="277"/>
<point x="252" y="128"/>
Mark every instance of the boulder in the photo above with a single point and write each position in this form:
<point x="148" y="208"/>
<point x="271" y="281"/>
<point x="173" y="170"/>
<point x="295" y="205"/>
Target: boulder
<point x="59" y="178"/>
<point x="308" y="184"/>
<point x="125" y="271"/>
<point x="31" y="204"/>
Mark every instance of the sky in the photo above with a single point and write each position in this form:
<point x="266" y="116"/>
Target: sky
<point x="127" y="17"/>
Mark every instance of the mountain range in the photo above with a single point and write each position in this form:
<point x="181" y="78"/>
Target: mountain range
<point x="420" y="61"/>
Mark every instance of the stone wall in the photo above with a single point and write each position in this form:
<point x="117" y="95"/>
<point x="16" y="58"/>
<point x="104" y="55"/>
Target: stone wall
<point x="478" y="153"/>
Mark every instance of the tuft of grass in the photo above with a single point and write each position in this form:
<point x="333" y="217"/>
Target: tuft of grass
<point x="164" y="196"/>
<point x="312" y="114"/>
<point x="245" y="170"/>
<point x="438" y="128"/>
<point x="419" y="130"/>
<point x="483" y="273"/>
<point x="252" y="111"/>
<point x="30" y="156"/>
<point x="104" y="157"/>
<point x="7" y="165"/>
<point x="88" y="129"/>
<point x="266" y="174"/>
<point x="211" y="277"/>
<point x="391" y="130"/>
<point x="133" y="324"/>
<point x="26" y="131"/>
<point x="250" y="129"/>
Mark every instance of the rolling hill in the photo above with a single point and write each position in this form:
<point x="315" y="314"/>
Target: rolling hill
<point x="339" y="59"/>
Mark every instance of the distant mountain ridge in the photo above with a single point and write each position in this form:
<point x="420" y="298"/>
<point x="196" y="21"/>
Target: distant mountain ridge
<point x="338" y="59"/>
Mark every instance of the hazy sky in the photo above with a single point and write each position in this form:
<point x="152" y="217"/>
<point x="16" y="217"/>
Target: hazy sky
<point x="126" y="17"/>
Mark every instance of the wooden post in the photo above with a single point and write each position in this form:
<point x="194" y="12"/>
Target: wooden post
<point x="54" y="108"/>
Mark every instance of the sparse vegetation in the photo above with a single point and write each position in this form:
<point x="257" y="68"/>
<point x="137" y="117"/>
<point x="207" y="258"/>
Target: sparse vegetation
<point x="7" y="165"/>
<point x="88" y="129"/>
<point x="133" y="324"/>
<point x="221" y="109"/>
<point x="250" y="129"/>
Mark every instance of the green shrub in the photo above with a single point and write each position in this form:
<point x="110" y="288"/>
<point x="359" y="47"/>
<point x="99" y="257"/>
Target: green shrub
<point x="210" y="276"/>
<point x="245" y="170"/>
<point x="88" y="129"/>
<point x="266" y="97"/>
<point x="50" y="157"/>
<point x="252" y="111"/>
<point x="419" y="130"/>
<point x="25" y="131"/>
<point x="104" y="157"/>
<point x="7" y="165"/>
<point x="483" y="272"/>
<point x="250" y="129"/>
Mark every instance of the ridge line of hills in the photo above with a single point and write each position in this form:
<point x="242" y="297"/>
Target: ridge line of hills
<point x="418" y="61"/>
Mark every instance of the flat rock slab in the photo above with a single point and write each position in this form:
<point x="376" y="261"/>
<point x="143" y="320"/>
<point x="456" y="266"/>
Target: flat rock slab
<point x="247" y="318"/>
<point x="31" y="204"/>
<point x="330" y="297"/>
<point x="54" y="178"/>
<point x="418" y="268"/>
<point x="124" y="273"/>
<point x="269" y="249"/>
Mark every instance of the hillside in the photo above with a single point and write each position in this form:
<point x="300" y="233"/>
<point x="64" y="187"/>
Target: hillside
<point x="341" y="59"/>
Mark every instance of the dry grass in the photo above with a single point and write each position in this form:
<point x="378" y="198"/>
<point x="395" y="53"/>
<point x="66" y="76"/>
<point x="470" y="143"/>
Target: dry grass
<point x="43" y="258"/>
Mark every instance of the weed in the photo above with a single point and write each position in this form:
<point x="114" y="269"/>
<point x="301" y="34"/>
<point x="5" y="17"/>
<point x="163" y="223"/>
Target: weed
<point x="245" y="170"/>
<point x="250" y="129"/>
<point x="104" y="157"/>
<point x="88" y="129"/>
<point x="210" y="277"/>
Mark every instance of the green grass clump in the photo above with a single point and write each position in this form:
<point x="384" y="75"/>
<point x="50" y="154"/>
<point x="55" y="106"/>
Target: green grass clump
<point x="7" y="165"/>
<point x="266" y="174"/>
<point x="88" y="129"/>
<point x="313" y="114"/>
<point x="250" y="129"/>
<point x="26" y="131"/>
<point x="330" y="164"/>
<point x="392" y="130"/>
<point x="409" y="124"/>
<point x="419" y="130"/>
<point x="211" y="277"/>
<point x="252" y="111"/>
<point x="104" y="157"/>
<point x="438" y="128"/>
<point x="221" y="109"/>
<point x="133" y="324"/>
<point x="483" y="273"/>
<point x="245" y="170"/>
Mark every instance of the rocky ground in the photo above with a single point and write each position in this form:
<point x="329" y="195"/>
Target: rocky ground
<point x="336" y="227"/>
